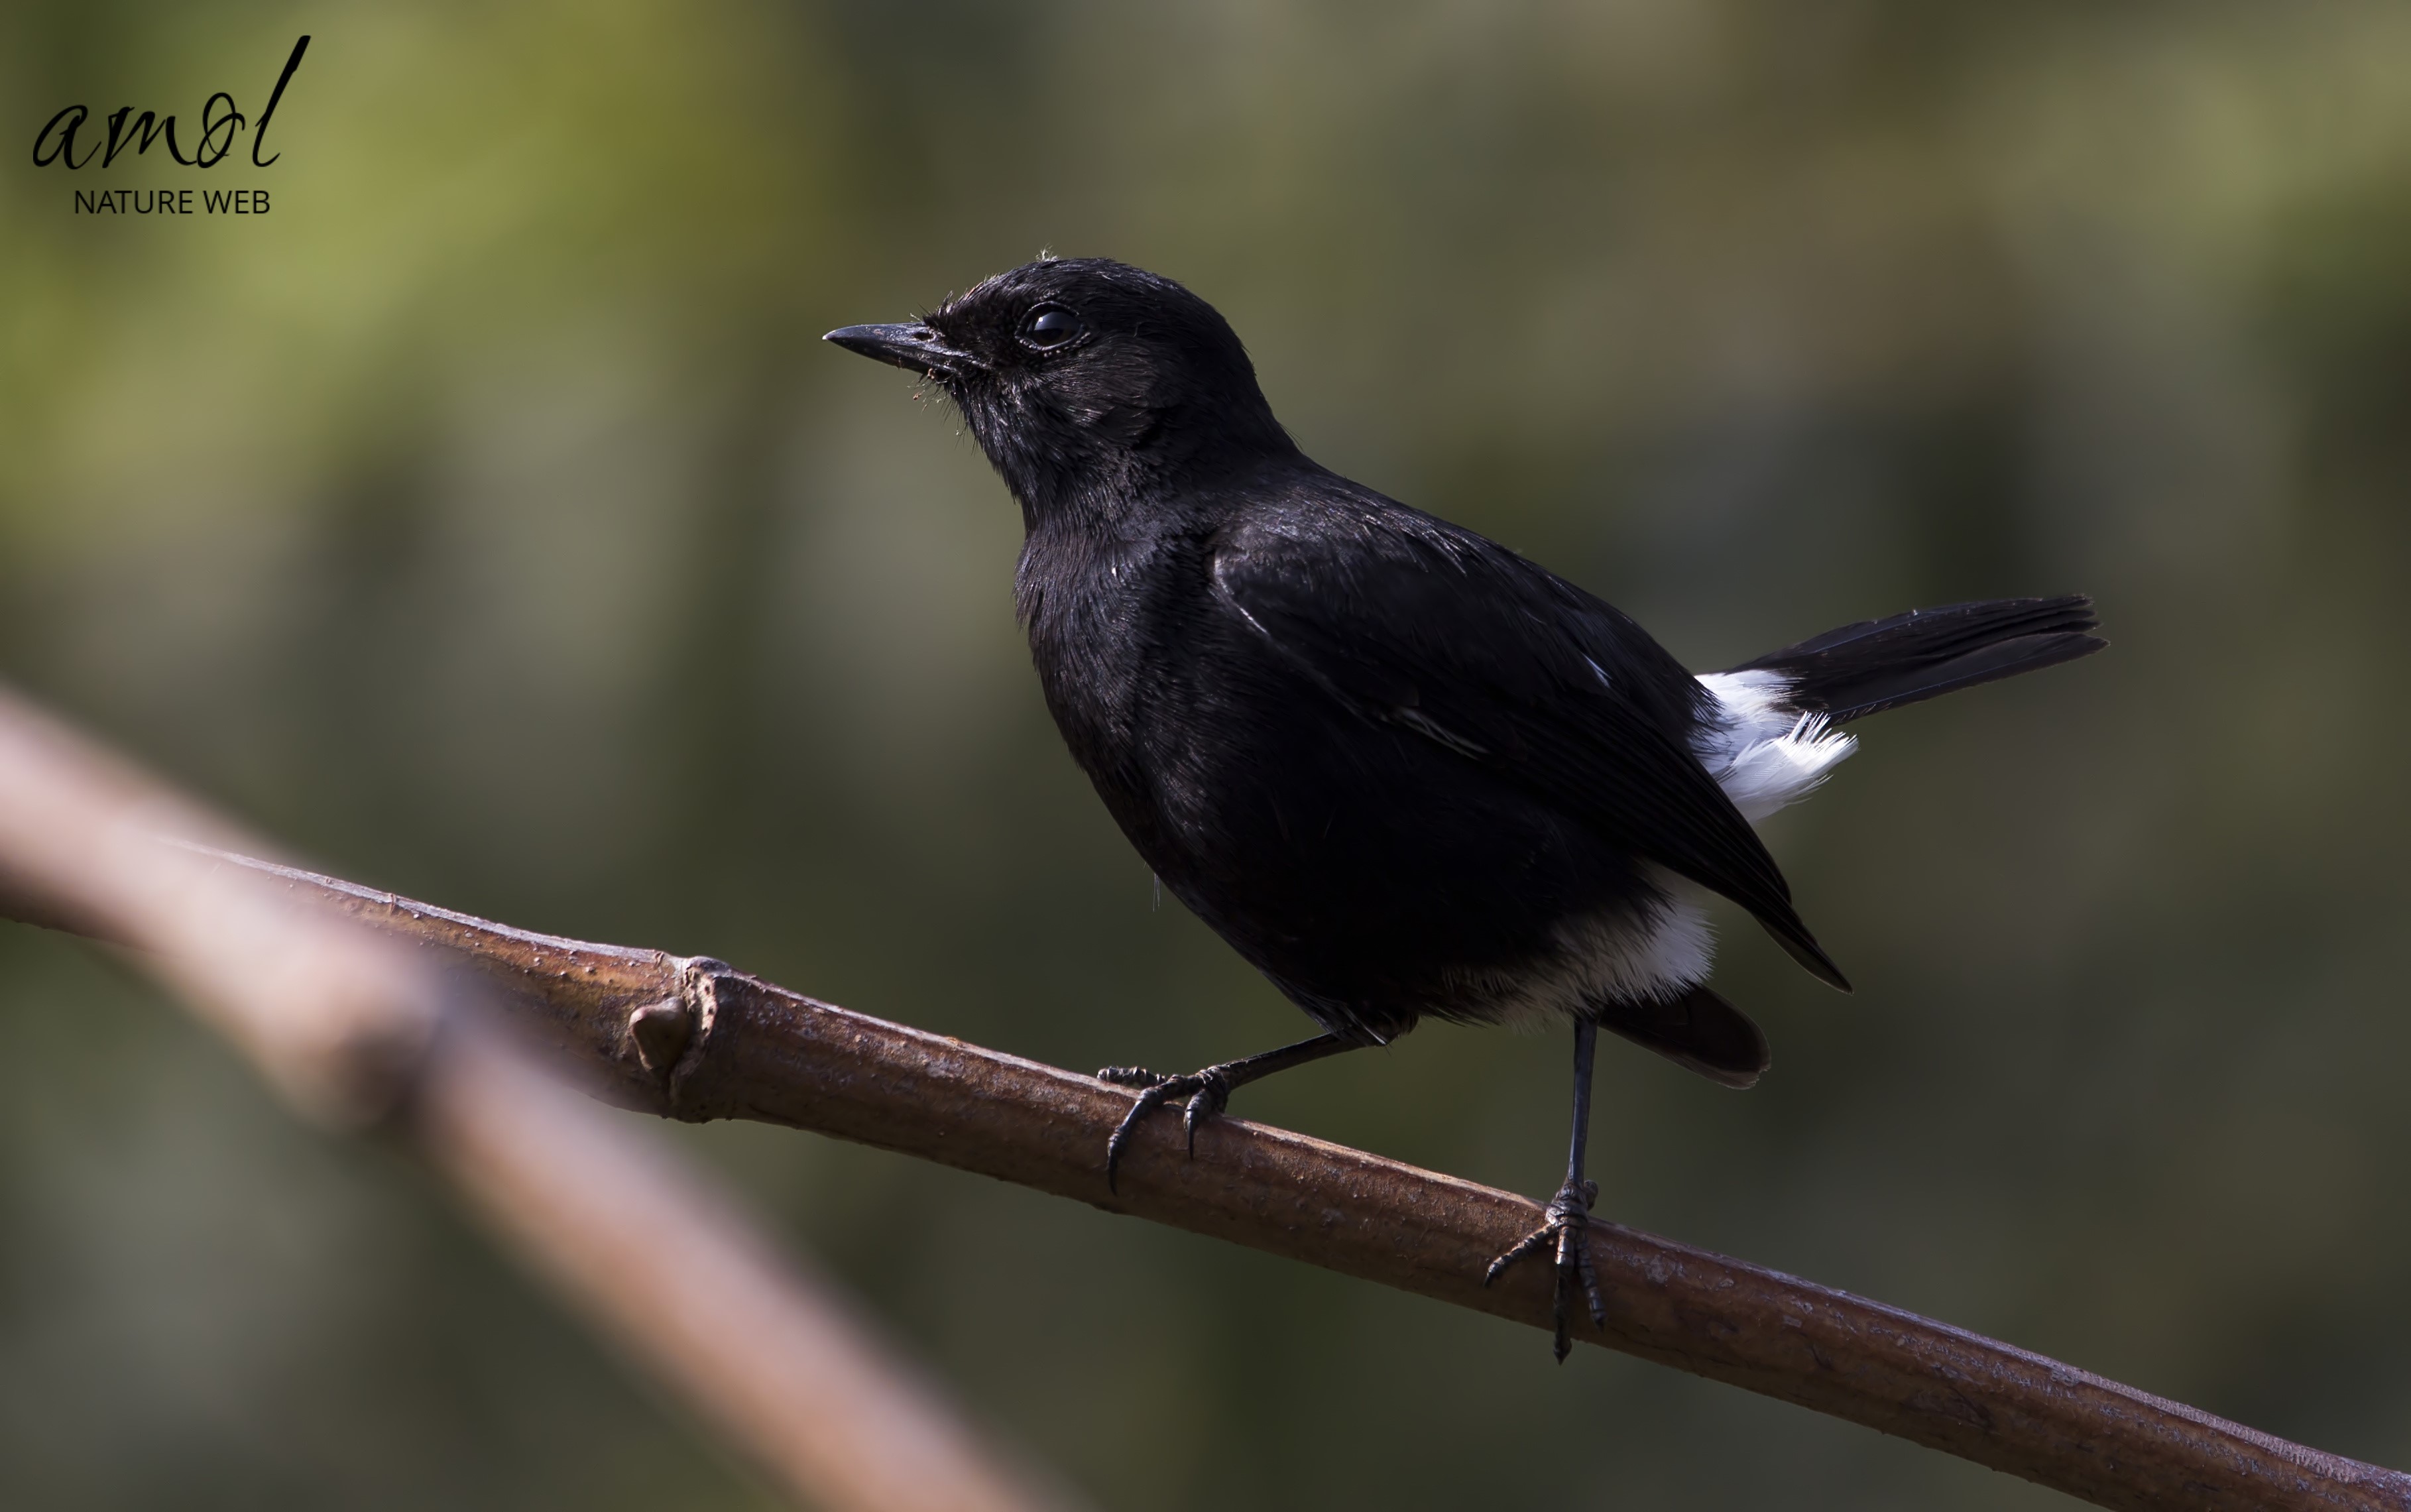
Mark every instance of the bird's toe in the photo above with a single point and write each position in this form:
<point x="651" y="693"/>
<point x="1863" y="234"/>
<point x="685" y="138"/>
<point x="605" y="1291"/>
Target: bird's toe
<point x="1212" y="1096"/>
<point x="1565" y="1224"/>
<point x="1209" y="1092"/>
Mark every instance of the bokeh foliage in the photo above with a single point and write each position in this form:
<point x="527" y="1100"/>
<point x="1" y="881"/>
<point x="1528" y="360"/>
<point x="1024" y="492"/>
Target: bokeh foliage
<point x="487" y="522"/>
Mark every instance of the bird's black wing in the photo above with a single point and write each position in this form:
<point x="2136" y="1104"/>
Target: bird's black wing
<point x="1412" y="623"/>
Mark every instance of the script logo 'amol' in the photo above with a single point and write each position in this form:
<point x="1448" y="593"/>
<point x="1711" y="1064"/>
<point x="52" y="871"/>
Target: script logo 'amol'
<point x="221" y="123"/>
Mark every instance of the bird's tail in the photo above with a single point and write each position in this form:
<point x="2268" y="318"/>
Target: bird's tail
<point x="1698" y="1029"/>
<point x="1876" y="665"/>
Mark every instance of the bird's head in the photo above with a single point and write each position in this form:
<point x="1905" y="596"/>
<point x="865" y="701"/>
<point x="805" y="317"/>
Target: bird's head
<point x="1086" y="380"/>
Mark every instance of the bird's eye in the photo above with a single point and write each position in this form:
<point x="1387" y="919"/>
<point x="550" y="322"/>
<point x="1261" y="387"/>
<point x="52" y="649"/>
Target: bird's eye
<point x="1050" y="325"/>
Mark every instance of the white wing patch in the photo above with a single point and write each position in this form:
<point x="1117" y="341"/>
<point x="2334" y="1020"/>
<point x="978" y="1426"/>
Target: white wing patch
<point x="1764" y="754"/>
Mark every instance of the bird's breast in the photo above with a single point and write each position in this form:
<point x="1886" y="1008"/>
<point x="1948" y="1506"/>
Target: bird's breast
<point x="1166" y="701"/>
<point x="1096" y="644"/>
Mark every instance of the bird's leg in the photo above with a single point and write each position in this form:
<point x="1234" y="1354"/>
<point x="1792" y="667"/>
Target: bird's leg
<point x="1567" y="1221"/>
<point x="1208" y="1091"/>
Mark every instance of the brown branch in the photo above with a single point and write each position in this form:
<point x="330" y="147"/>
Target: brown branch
<point x="690" y="1039"/>
<point x="360" y="1032"/>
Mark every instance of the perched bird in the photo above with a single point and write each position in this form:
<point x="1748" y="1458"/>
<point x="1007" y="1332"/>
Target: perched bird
<point x="1402" y="770"/>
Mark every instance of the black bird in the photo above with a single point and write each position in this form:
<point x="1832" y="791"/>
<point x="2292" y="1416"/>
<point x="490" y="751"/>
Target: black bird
<point x="1402" y="770"/>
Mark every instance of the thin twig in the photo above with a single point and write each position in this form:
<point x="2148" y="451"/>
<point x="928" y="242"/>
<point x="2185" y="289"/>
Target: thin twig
<point x="690" y="1039"/>
<point x="359" y="1033"/>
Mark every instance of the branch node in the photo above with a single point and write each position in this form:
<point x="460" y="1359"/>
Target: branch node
<point x="697" y="1006"/>
<point x="662" y="1031"/>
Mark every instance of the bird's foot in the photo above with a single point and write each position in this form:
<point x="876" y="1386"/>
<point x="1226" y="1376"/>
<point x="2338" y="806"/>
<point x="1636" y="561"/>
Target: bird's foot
<point x="1566" y="1223"/>
<point x="1209" y="1093"/>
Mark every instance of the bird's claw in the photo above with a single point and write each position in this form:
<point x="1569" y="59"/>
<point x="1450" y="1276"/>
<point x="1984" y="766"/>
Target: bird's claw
<point x="1209" y="1093"/>
<point x="1566" y="1223"/>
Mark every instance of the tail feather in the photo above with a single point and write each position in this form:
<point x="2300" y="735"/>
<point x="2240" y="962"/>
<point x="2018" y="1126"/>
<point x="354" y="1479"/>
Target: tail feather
<point x="1699" y="1030"/>
<point x="1876" y="665"/>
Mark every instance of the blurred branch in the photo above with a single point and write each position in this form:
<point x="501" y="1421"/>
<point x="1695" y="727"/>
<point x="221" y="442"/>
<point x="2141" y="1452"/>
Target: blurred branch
<point x="690" y="1039"/>
<point x="358" y="1032"/>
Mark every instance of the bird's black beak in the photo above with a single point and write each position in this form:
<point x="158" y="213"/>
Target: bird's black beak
<point x="915" y="348"/>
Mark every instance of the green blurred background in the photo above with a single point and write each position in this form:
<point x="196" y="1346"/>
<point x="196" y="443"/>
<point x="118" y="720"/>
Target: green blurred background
<point x="488" y="523"/>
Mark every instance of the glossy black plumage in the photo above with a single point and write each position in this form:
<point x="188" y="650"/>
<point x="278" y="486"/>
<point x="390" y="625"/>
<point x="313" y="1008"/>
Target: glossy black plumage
<point x="1402" y="770"/>
<point x="1378" y="753"/>
<point x="1863" y="669"/>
